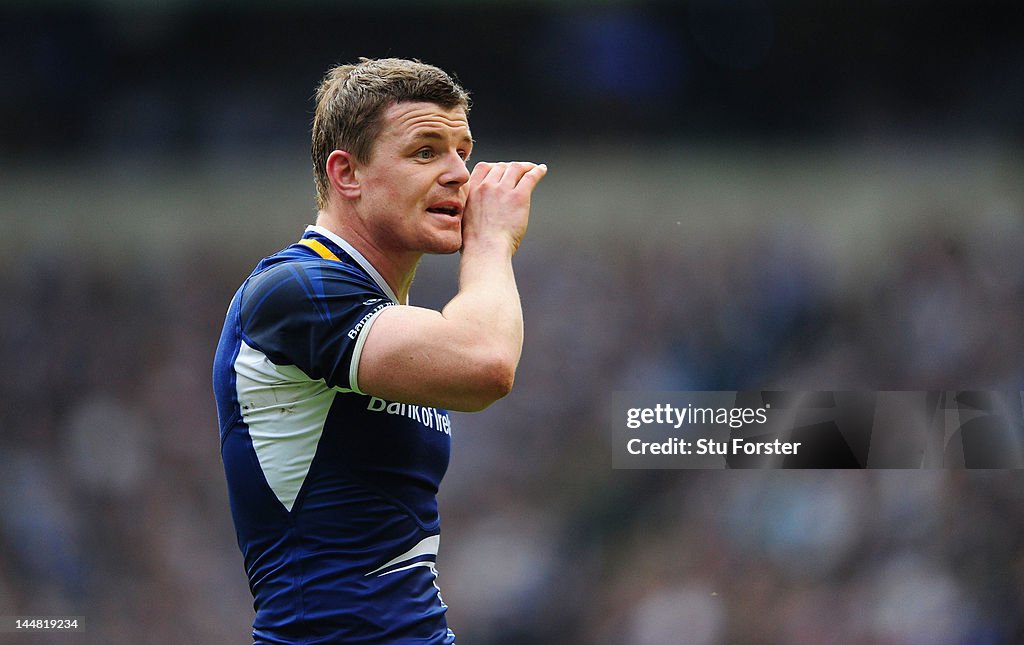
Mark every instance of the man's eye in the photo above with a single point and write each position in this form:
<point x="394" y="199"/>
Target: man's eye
<point x="425" y="153"/>
<point x="463" y="155"/>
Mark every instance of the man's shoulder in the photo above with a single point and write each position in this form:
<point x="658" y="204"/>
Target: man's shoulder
<point x="294" y="272"/>
<point x="293" y="289"/>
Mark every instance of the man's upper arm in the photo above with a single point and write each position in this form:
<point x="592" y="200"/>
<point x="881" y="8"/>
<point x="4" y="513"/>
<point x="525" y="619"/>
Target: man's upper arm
<point x="417" y="355"/>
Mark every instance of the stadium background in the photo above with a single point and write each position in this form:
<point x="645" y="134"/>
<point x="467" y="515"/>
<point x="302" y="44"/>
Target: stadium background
<point x="743" y="194"/>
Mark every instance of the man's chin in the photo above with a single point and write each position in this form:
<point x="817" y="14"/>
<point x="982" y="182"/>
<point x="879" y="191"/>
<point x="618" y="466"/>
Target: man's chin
<point x="446" y="251"/>
<point x="450" y="244"/>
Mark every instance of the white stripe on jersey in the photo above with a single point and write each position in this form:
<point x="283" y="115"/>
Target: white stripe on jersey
<point x="285" y="412"/>
<point x="426" y="546"/>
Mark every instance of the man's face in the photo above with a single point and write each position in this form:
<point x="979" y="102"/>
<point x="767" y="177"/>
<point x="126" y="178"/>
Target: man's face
<point x="413" y="191"/>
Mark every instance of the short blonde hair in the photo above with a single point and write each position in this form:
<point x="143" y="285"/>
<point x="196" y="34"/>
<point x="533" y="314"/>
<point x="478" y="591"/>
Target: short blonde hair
<point x="351" y="99"/>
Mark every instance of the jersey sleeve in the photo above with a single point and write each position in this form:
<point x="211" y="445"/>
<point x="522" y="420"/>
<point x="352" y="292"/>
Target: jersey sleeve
<point x="313" y="315"/>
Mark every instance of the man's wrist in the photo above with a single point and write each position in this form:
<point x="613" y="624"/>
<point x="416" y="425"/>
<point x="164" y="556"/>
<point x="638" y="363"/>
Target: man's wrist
<point x="491" y="244"/>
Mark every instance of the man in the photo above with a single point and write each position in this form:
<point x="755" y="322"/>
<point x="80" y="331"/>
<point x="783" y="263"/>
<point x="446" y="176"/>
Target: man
<point x="332" y="390"/>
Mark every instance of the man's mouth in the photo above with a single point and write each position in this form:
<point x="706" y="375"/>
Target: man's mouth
<point x="449" y="209"/>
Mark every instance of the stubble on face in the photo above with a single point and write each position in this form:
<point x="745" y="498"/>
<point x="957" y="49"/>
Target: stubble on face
<point x="415" y="185"/>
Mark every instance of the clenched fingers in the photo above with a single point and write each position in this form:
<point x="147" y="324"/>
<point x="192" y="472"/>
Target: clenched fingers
<point x="521" y="175"/>
<point x="531" y="177"/>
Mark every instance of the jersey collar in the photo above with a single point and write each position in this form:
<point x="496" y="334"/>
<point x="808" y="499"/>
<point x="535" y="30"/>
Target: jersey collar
<point x="351" y="252"/>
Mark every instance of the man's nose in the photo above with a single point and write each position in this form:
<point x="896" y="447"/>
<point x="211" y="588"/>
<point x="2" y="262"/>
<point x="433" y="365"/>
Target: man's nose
<point x="456" y="174"/>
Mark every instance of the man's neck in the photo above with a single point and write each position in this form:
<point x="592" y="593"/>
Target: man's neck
<point x="397" y="270"/>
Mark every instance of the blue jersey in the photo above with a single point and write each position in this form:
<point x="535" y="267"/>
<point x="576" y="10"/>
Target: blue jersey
<point x="333" y="492"/>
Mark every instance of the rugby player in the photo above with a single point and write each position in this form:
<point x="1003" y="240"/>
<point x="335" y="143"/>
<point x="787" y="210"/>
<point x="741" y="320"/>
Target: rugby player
<point x="333" y="391"/>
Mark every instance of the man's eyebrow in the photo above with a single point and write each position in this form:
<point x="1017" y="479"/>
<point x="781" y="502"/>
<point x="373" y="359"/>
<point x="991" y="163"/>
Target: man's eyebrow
<point x="437" y="136"/>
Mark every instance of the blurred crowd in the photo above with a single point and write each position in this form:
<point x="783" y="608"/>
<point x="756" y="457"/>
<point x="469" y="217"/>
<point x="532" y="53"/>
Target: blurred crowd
<point x="114" y="507"/>
<point x="112" y="497"/>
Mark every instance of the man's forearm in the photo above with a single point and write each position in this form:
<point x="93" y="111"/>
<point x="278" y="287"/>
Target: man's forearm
<point x="487" y="306"/>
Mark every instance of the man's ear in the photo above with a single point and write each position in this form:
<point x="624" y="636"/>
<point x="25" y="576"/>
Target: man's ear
<point x="341" y="171"/>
